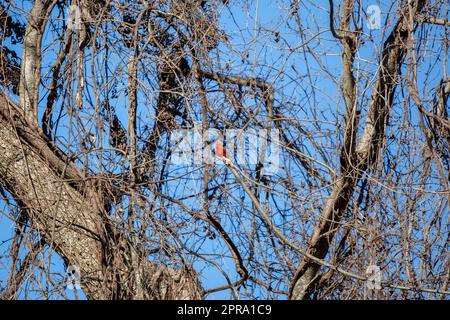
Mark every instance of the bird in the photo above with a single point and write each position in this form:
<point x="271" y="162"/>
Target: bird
<point x="220" y="150"/>
<point x="88" y="141"/>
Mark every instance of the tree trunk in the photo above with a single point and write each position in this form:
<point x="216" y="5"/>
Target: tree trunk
<point x="361" y="157"/>
<point x="67" y="212"/>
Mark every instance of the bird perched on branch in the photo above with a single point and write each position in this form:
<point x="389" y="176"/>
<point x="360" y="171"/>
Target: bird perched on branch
<point x="220" y="150"/>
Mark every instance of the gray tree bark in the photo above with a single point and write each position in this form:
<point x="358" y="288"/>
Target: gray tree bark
<point x="355" y="159"/>
<point x="64" y="206"/>
<point x="67" y="212"/>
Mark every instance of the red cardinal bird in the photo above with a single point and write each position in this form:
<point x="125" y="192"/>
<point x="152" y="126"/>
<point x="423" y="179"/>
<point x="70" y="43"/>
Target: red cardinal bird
<point x="220" y="150"/>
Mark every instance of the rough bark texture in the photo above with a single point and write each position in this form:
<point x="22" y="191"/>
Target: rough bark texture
<point x="363" y="155"/>
<point x="72" y="222"/>
<point x="31" y="58"/>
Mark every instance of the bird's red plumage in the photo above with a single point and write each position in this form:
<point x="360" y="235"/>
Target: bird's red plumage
<point x="220" y="150"/>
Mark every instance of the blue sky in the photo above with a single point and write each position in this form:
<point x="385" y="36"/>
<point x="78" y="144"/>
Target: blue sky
<point x="252" y="29"/>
